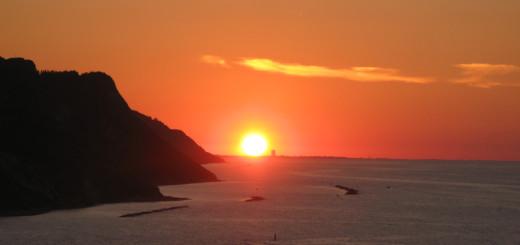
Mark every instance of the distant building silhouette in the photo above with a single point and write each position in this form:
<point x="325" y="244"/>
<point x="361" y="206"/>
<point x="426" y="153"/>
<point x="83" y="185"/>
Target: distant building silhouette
<point x="273" y="153"/>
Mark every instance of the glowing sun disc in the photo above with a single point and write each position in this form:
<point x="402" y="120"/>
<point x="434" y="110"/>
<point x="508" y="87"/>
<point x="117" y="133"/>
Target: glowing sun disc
<point x="254" y="145"/>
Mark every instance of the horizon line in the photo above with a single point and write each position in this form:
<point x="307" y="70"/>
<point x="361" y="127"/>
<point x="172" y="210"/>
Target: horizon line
<point x="365" y="158"/>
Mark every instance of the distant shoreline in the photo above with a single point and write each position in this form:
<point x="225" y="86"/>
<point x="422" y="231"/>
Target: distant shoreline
<point x="361" y="158"/>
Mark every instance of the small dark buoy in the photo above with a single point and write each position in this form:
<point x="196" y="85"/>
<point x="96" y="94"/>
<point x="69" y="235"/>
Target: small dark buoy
<point x="275" y="236"/>
<point x="388" y="187"/>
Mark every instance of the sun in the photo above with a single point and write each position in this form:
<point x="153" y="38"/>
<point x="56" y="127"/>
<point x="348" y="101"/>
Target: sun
<point x="254" y="145"/>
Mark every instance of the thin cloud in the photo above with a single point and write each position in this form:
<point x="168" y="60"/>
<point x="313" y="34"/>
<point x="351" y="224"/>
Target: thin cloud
<point x="486" y="75"/>
<point x="210" y="59"/>
<point x="360" y="74"/>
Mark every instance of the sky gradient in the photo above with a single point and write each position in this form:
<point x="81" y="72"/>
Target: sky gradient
<point x="374" y="78"/>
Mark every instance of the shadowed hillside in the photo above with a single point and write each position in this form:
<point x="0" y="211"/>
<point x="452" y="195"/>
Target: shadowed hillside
<point x="70" y="140"/>
<point x="179" y="140"/>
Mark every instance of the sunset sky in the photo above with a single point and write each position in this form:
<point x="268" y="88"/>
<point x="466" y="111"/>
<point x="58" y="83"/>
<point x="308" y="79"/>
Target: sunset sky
<point x="372" y="78"/>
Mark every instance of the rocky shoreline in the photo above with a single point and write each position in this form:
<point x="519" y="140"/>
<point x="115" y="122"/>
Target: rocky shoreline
<point x="349" y="191"/>
<point x="150" y="212"/>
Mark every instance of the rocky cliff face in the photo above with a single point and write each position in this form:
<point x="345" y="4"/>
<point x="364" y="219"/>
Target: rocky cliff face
<point x="70" y="140"/>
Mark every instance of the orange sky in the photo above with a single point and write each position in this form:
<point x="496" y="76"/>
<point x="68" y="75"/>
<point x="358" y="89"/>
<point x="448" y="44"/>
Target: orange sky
<point x="371" y="78"/>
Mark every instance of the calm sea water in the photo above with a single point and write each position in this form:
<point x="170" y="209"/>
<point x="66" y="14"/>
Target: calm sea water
<point x="399" y="202"/>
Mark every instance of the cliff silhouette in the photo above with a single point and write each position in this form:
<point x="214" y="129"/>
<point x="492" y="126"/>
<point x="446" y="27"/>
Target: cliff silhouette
<point x="179" y="140"/>
<point x="70" y="140"/>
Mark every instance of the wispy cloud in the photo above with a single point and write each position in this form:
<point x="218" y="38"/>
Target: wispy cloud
<point x="486" y="75"/>
<point x="214" y="60"/>
<point x="360" y="74"/>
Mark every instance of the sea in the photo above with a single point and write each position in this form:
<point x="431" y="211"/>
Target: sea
<point x="398" y="202"/>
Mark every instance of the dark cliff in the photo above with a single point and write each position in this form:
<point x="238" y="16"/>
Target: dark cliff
<point x="179" y="140"/>
<point x="70" y="140"/>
